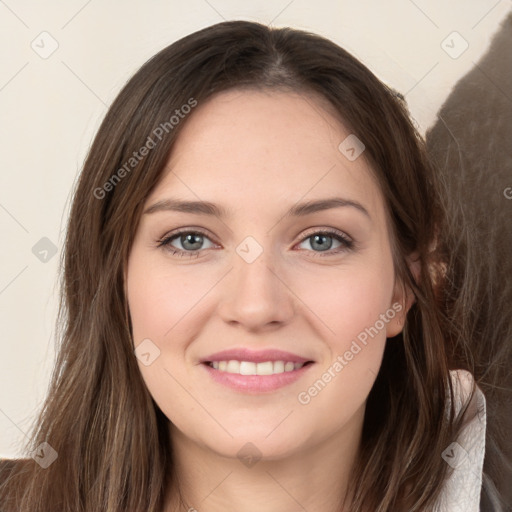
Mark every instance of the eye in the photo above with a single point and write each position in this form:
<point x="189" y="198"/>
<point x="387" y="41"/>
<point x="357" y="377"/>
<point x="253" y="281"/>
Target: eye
<point x="323" y="241"/>
<point x="191" y="243"/>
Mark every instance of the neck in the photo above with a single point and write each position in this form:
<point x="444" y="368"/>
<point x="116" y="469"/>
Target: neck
<point x="313" y="479"/>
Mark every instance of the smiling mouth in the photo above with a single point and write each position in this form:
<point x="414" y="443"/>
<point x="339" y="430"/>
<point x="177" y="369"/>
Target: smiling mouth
<point x="252" y="368"/>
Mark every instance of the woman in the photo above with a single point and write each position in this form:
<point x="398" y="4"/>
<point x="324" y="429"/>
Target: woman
<point x="252" y="297"/>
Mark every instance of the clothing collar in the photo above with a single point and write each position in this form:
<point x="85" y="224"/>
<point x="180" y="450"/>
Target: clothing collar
<point x="461" y="492"/>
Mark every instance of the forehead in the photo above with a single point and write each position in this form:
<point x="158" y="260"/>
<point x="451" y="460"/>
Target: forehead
<point x="265" y="146"/>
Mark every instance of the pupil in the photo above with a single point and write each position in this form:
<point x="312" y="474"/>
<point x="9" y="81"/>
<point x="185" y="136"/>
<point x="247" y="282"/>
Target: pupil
<point x="324" y="246"/>
<point x="190" y="239"/>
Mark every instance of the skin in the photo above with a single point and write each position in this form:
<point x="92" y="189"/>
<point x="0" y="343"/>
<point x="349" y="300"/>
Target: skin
<point x="258" y="153"/>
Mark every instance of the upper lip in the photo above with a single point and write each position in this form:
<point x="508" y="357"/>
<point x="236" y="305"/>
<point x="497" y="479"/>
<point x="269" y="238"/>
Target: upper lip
<point x="255" y="356"/>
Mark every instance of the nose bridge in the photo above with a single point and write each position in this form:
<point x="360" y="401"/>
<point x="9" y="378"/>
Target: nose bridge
<point x="256" y="295"/>
<point x="255" y="270"/>
<point x="253" y="263"/>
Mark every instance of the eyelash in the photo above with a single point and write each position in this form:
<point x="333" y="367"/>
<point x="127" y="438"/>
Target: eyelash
<point x="347" y="243"/>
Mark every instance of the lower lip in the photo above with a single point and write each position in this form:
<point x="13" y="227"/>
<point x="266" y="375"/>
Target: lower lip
<point x="256" y="383"/>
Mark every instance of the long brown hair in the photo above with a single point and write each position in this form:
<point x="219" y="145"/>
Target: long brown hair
<point x="114" y="454"/>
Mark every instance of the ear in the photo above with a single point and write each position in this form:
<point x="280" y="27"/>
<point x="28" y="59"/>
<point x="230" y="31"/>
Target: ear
<point x="403" y="298"/>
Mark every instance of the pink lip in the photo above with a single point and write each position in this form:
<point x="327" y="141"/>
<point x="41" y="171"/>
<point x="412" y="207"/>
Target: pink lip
<point x="255" y="384"/>
<point x="260" y="356"/>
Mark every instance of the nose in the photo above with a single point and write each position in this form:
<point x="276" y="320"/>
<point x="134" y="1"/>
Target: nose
<point x="255" y="295"/>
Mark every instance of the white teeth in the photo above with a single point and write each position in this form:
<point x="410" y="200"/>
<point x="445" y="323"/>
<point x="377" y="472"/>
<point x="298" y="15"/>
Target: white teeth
<point x="278" y="366"/>
<point x="247" y="368"/>
<point x="266" y="368"/>
<point x="250" y="368"/>
<point x="233" y="367"/>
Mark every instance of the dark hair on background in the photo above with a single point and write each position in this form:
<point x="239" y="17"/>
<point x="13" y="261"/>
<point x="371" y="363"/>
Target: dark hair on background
<point x="471" y="142"/>
<point x="111" y="437"/>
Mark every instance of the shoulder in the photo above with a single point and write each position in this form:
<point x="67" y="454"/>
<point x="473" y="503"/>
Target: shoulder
<point x="14" y="475"/>
<point x="9" y="465"/>
<point x="11" y="469"/>
<point x="6" y="468"/>
<point x="462" y="489"/>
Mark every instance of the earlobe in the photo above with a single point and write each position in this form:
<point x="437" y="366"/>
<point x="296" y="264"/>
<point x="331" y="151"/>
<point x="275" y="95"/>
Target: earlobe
<point x="400" y="305"/>
<point x="403" y="298"/>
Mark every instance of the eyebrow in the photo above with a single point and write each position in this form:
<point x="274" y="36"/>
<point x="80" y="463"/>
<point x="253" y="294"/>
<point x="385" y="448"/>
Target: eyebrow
<point x="297" y="210"/>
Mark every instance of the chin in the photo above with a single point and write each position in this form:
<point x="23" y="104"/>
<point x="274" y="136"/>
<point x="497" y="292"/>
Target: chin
<point x="250" y="449"/>
<point x="272" y="438"/>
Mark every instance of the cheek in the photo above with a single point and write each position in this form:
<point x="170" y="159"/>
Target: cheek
<point x="347" y="300"/>
<point x="352" y="309"/>
<point x="161" y="307"/>
<point x="159" y="299"/>
<point x="168" y="307"/>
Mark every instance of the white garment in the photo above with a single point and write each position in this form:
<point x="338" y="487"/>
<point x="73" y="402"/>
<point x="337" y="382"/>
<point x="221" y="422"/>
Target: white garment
<point x="461" y="492"/>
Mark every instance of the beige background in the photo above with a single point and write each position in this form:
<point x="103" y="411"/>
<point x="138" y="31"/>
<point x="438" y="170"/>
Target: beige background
<point x="51" y="105"/>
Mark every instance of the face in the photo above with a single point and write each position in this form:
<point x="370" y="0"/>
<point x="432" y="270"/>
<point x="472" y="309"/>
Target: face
<point x="300" y="298"/>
